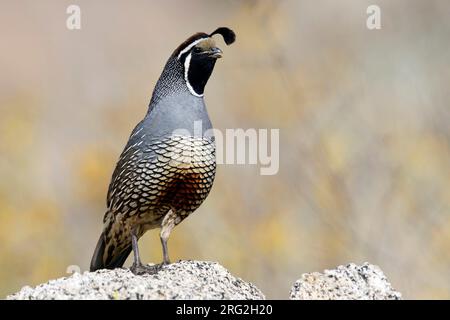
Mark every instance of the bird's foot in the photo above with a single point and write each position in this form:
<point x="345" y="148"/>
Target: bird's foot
<point x="140" y="269"/>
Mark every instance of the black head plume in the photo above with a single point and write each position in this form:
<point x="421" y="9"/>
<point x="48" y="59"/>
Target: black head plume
<point x="228" y="35"/>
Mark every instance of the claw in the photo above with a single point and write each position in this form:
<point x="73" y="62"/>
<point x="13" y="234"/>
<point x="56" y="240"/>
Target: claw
<point x="145" y="269"/>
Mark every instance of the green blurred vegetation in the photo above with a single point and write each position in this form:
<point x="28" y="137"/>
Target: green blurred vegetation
<point x="364" y="128"/>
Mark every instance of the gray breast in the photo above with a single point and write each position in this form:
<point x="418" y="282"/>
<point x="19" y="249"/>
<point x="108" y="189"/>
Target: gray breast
<point x="181" y="112"/>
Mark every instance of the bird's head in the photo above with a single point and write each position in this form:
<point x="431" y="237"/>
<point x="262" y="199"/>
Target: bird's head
<point x="198" y="55"/>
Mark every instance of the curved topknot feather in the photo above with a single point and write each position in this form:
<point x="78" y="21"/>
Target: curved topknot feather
<point x="228" y="35"/>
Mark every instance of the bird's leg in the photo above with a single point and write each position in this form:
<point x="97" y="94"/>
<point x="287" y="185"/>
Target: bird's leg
<point x="138" y="268"/>
<point x="166" y="227"/>
<point x="164" y="239"/>
<point x="134" y="244"/>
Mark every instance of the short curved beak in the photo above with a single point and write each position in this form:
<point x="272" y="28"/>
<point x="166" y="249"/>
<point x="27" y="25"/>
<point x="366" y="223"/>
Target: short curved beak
<point x="215" y="53"/>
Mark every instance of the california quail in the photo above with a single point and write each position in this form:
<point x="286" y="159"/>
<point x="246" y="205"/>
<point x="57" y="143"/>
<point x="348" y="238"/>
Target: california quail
<point x="167" y="168"/>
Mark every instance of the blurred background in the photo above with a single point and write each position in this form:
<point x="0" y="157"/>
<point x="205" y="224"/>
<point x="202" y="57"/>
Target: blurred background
<point x="364" y="125"/>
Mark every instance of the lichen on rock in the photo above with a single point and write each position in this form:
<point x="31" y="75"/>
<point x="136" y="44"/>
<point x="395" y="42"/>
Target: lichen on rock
<point x="349" y="282"/>
<point x="181" y="280"/>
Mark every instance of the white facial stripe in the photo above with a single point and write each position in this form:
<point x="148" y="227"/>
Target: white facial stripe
<point x="189" y="47"/>
<point x="186" y="79"/>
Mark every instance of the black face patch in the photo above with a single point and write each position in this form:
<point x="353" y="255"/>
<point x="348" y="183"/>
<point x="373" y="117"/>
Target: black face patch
<point x="199" y="70"/>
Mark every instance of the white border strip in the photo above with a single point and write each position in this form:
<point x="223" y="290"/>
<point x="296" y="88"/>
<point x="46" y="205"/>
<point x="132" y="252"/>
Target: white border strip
<point x="189" y="47"/>
<point x="186" y="70"/>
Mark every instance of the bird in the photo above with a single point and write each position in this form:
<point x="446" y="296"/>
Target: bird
<point x="167" y="168"/>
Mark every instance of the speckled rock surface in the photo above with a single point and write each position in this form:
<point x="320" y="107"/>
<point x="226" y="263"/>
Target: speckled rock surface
<point x="181" y="280"/>
<point x="349" y="282"/>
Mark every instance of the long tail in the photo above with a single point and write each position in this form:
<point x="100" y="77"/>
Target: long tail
<point x="109" y="261"/>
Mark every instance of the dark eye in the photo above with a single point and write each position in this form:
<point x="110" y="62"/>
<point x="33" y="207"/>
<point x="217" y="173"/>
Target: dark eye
<point x="197" y="50"/>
